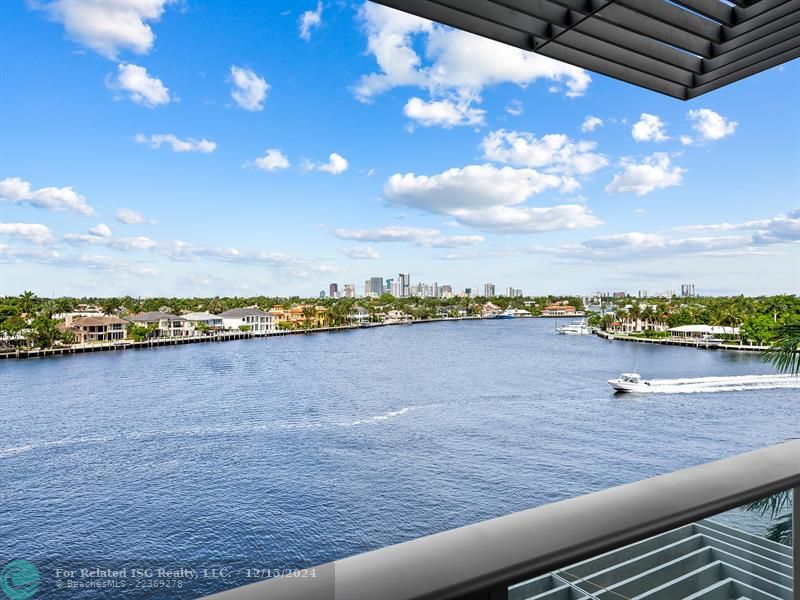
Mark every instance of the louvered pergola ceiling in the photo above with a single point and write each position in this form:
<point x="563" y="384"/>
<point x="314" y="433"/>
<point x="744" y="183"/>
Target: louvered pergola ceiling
<point x="682" y="48"/>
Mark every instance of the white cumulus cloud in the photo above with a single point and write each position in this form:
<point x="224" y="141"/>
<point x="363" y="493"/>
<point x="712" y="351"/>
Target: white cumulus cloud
<point x="555" y="153"/>
<point x="100" y="229"/>
<point x="361" y="253"/>
<point x="781" y="228"/>
<point x="649" y="128"/>
<point x="309" y="20"/>
<point x="31" y="232"/>
<point x="336" y="165"/>
<point x="107" y="27"/>
<point x="590" y="123"/>
<point x="249" y="89"/>
<point x="514" y="108"/>
<point x="445" y="113"/>
<point x="178" y="145"/>
<point x="488" y="197"/>
<point x="424" y="237"/>
<point x="272" y="160"/>
<point x="117" y="243"/>
<point x="139" y="85"/>
<point x="652" y="173"/>
<point x="451" y="63"/>
<point x="64" y="199"/>
<point x="132" y="217"/>
<point x="710" y="125"/>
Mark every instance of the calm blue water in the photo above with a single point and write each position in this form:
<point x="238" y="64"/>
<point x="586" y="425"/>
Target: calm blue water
<point x="289" y="452"/>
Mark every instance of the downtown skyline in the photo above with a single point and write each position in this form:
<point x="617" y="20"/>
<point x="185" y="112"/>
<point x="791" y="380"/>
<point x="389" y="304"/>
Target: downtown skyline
<point x="198" y="151"/>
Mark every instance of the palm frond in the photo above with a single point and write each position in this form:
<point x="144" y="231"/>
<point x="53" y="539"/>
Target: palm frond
<point x="781" y="531"/>
<point x="774" y="505"/>
<point x="785" y="352"/>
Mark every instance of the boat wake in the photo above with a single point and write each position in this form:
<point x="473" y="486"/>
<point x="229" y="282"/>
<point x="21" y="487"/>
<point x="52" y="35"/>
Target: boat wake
<point x="377" y="418"/>
<point x="10" y="451"/>
<point x="693" y="385"/>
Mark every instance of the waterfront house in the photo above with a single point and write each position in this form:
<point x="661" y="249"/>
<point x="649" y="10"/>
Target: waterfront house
<point x="359" y="315"/>
<point x="165" y="325"/>
<point x="560" y="310"/>
<point x="397" y="316"/>
<point x="303" y="315"/>
<point x="631" y="325"/>
<point x="291" y="317"/>
<point x="254" y="319"/>
<point x="703" y="331"/>
<point x="95" y="329"/>
<point x="204" y="319"/>
<point x="490" y="309"/>
<point x="13" y="340"/>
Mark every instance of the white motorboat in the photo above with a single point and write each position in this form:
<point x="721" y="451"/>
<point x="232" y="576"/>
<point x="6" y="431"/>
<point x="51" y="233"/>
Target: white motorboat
<point x="575" y="328"/>
<point x="629" y="382"/>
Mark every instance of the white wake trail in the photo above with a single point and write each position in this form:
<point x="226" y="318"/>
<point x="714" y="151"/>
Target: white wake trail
<point x="690" y="385"/>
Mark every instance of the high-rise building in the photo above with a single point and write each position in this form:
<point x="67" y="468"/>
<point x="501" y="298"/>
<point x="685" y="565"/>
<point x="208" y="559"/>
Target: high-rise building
<point x="687" y="290"/>
<point x="488" y="290"/>
<point x="349" y="290"/>
<point x="333" y="290"/>
<point x="513" y="292"/>
<point x="389" y="286"/>
<point x="405" y="284"/>
<point x="322" y="293"/>
<point x="373" y="286"/>
<point x="643" y="294"/>
<point x="446" y="291"/>
<point x="619" y="295"/>
<point x="468" y="292"/>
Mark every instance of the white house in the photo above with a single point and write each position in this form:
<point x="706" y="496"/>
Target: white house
<point x="702" y="331"/>
<point x="213" y="322"/>
<point x="359" y="315"/>
<point x="81" y="310"/>
<point x="166" y="325"/>
<point x="255" y="319"/>
<point x="397" y="316"/>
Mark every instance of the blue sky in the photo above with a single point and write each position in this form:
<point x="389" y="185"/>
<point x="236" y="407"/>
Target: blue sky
<point x="152" y="147"/>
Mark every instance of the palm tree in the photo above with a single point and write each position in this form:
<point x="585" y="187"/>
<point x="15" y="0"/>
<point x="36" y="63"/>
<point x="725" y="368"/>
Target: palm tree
<point x="64" y="305"/>
<point x="309" y="312"/>
<point x="48" y="307"/>
<point x="109" y="305"/>
<point x="785" y="355"/>
<point x="27" y="300"/>
<point x="215" y="306"/>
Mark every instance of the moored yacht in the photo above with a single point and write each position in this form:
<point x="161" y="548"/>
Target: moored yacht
<point x="575" y="328"/>
<point x="513" y="313"/>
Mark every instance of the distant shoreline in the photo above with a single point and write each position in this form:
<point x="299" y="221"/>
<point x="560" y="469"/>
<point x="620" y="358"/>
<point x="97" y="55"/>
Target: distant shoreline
<point x="216" y="337"/>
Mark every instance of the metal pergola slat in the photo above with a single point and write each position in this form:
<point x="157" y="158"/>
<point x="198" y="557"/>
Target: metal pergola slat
<point x="682" y="48"/>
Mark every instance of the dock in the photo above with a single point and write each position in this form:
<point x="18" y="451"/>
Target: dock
<point x="691" y="343"/>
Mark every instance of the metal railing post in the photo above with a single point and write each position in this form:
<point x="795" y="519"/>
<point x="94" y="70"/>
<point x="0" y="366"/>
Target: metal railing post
<point x="796" y="543"/>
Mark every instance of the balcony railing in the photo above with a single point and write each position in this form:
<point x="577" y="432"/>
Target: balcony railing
<point x="533" y="553"/>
